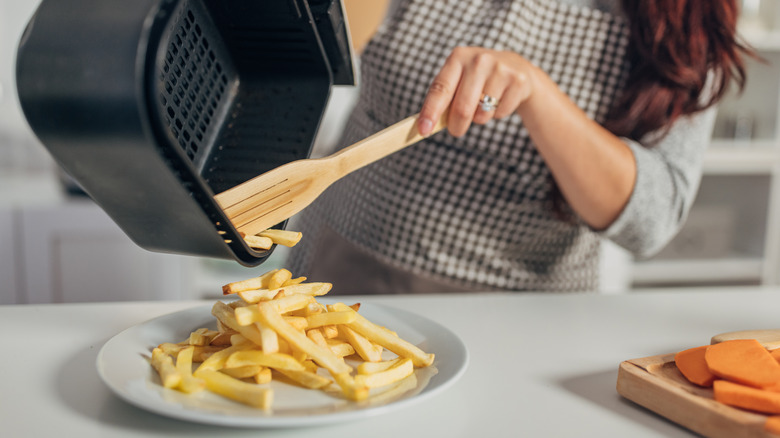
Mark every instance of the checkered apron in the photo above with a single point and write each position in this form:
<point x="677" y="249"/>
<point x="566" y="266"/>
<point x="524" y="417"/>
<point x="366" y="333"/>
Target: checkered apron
<point x="477" y="210"/>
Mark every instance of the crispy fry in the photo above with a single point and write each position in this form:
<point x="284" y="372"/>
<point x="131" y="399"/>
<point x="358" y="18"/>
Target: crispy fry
<point x="202" y="336"/>
<point x="375" y="367"/>
<point x="282" y="237"/>
<point x="260" y="282"/>
<point x="163" y="363"/>
<point x="340" y="348"/>
<point x="388" y="340"/>
<point x="243" y="392"/>
<point x="323" y="356"/>
<point x="329" y="331"/>
<point x="364" y="348"/>
<point x="217" y="360"/>
<point x="224" y="313"/>
<point x="243" y="372"/>
<point x="253" y="296"/>
<point x="258" y="242"/>
<point x="330" y="318"/>
<point x="402" y="369"/>
<point x="189" y="383"/>
<point x="277" y="361"/>
<point x="306" y="378"/>
<point x="264" y="376"/>
<point x="278" y="278"/>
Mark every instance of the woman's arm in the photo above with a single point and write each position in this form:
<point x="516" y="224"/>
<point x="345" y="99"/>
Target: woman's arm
<point x="594" y="169"/>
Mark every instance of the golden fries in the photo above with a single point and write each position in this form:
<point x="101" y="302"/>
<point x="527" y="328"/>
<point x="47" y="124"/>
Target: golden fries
<point x="277" y="328"/>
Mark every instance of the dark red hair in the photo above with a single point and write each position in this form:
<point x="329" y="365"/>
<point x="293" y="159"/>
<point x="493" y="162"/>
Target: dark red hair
<point x="676" y="45"/>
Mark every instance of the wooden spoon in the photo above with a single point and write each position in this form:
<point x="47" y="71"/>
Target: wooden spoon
<point x="276" y="195"/>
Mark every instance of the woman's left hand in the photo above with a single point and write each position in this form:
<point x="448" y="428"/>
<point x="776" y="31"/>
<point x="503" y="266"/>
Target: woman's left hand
<point x="469" y="74"/>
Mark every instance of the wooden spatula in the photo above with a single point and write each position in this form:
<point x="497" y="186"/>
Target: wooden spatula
<point x="278" y="194"/>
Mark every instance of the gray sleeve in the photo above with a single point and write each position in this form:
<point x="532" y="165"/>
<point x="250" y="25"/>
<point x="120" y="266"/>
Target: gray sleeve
<point x="667" y="180"/>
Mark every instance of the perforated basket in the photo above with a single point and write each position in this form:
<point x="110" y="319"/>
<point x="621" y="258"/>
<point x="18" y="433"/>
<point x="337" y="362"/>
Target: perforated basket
<point x="153" y="107"/>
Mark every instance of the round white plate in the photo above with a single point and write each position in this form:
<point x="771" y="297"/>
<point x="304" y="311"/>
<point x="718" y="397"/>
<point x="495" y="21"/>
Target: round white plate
<point x="123" y="366"/>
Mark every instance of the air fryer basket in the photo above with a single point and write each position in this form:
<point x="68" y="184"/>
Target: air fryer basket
<point x="155" y="106"/>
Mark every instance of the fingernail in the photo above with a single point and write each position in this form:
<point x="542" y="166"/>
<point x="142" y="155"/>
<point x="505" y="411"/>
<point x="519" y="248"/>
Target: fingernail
<point x="425" y="127"/>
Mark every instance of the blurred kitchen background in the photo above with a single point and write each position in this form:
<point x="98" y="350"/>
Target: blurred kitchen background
<point x="58" y="246"/>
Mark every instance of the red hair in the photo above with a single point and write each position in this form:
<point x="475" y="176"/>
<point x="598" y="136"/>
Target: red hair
<point x="676" y="47"/>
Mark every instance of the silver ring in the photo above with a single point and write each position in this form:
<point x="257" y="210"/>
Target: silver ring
<point x="488" y="103"/>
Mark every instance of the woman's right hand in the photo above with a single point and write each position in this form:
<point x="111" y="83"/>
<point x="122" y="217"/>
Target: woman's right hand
<point x="467" y="76"/>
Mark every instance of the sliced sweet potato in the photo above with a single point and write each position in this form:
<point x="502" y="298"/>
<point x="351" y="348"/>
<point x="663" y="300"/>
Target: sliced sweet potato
<point x="692" y="365"/>
<point x="743" y="361"/>
<point x="746" y="397"/>
<point x="775" y="353"/>
<point x="772" y="424"/>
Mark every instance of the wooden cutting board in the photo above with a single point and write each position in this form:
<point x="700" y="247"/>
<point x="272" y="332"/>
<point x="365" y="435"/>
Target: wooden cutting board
<point x="656" y="384"/>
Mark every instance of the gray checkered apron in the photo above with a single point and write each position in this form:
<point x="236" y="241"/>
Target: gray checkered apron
<point x="478" y="210"/>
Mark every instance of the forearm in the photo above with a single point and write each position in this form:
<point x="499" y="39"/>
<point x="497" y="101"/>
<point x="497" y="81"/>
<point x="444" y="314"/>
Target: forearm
<point x="594" y="169"/>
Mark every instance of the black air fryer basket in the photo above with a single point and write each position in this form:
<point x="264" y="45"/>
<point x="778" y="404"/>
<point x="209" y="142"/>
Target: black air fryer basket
<point x="155" y="106"/>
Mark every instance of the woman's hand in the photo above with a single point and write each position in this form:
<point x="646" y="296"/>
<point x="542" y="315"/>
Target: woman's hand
<point x="594" y="169"/>
<point x="469" y="74"/>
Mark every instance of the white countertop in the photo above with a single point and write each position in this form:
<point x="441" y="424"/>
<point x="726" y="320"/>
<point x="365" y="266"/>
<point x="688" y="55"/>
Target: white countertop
<point x="540" y="365"/>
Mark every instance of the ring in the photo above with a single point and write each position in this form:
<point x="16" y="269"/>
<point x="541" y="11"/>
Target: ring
<point x="488" y="103"/>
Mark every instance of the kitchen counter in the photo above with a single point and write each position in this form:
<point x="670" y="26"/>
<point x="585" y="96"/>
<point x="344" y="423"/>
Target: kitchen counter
<point x="541" y="365"/>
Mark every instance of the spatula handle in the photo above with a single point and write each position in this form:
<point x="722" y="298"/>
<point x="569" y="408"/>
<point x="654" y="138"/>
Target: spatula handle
<point x="383" y="143"/>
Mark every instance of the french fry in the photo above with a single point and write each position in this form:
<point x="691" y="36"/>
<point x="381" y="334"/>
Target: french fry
<point x="264" y="376"/>
<point x="277" y="361"/>
<point x="330" y="331"/>
<point x="260" y="282"/>
<point x="282" y="237"/>
<point x="375" y="367"/>
<point x="245" y="316"/>
<point x="323" y="356"/>
<point x="330" y="318"/>
<point x="223" y="338"/>
<point x="248" y="393"/>
<point x="243" y="372"/>
<point x="316" y="336"/>
<point x="340" y="348"/>
<point x="189" y="383"/>
<point x="258" y="242"/>
<point x="217" y="360"/>
<point x="202" y="336"/>
<point x="402" y="369"/>
<point x="253" y="296"/>
<point x="387" y="339"/>
<point x="224" y="313"/>
<point x="306" y="378"/>
<point x="364" y="348"/>
<point x="294" y="281"/>
<point x="278" y="278"/>
<point x="163" y="363"/>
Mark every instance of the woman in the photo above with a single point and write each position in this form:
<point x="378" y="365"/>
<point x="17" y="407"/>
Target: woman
<point x="569" y="121"/>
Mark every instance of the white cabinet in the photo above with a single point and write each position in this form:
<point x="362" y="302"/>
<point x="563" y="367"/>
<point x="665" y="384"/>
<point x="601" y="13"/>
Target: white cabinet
<point x="73" y="252"/>
<point x="732" y="235"/>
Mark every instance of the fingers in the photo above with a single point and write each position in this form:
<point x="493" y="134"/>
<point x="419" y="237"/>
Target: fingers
<point x="439" y="96"/>
<point x="469" y="74"/>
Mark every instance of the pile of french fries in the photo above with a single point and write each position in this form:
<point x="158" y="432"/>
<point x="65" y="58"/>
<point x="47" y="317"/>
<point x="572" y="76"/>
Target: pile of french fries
<point x="277" y="329"/>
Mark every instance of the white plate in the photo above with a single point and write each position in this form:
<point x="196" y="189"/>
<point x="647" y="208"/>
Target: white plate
<point x="122" y="365"/>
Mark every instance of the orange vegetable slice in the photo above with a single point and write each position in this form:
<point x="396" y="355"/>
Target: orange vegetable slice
<point x="692" y="365"/>
<point x="775" y="353"/>
<point x="743" y="361"/>
<point x="772" y="424"/>
<point x="746" y="397"/>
